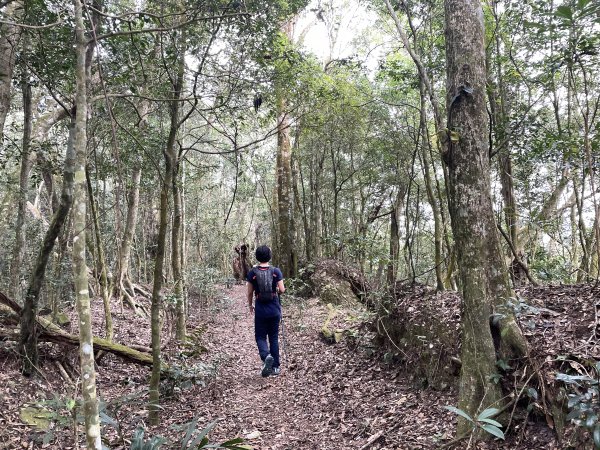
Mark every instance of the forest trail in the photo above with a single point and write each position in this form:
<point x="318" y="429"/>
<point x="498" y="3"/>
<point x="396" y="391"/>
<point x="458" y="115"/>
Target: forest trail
<point x="327" y="396"/>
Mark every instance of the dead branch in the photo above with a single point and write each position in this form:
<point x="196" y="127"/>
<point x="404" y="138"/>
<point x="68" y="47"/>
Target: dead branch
<point x="50" y="332"/>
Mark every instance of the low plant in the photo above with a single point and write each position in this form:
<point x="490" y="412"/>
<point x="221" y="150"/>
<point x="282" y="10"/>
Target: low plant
<point x="584" y="404"/>
<point x="194" y="438"/>
<point x="483" y="421"/>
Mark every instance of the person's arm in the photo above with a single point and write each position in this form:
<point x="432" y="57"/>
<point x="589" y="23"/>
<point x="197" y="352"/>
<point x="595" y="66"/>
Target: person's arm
<point x="280" y="287"/>
<point x="249" y="295"/>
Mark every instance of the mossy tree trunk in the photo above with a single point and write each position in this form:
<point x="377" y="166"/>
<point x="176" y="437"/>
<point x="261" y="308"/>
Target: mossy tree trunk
<point x="82" y="297"/>
<point x="171" y="156"/>
<point x="28" y="338"/>
<point x="9" y="42"/>
<point x="176" y="261"/>
<point x="19" y="247"/>
<point x="484" y="277"/>
<point x="433" y="201"/>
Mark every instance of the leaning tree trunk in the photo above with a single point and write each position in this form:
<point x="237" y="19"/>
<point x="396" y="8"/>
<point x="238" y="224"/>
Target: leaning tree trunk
<point x="29" y="333"/>
<point x="484" y="278"/>
<point x="82" y="295"/>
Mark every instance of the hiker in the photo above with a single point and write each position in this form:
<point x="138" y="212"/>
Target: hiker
<point x="264" y="283"/>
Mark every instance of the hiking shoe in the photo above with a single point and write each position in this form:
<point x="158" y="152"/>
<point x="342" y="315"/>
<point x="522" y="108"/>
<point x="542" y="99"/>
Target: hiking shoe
<point x="267" y="366"/>
<point x="276" y="371"/>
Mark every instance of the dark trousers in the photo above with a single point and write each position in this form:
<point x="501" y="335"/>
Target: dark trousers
<point x="263" y="328"/>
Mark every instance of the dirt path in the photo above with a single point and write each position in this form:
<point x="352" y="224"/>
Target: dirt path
<point x="327" y="396"/>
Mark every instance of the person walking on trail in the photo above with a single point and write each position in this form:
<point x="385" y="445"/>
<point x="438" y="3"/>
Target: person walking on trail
<point x="264" y="284"/>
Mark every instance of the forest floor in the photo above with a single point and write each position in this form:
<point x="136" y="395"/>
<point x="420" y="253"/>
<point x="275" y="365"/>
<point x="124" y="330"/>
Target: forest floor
<point x="328" y="396"/>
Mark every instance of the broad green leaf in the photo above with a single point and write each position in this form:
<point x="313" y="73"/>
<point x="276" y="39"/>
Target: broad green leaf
<point x="564" y="12"/>
<point x="495" y="431"/>
<point x="575" y="414"/>
<point x="232" y="442"/>
<point x="491" y="422"/>
<point x="200" y="438"/>
<point x="460" y="412"/>
<point x="581" y="4"/>
<point x="597" y="436"/>
<point x="489" y="412"/>
<point x="188" y="435"/>
<point x="532" y="393"/>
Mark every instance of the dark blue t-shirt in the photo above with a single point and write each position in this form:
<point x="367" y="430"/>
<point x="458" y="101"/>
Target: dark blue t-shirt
<point x="266" y="309"/>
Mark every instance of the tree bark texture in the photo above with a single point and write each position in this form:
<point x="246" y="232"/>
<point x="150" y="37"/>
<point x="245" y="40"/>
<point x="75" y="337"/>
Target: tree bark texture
<point x="80" y="273"/>
<point x="100" y="260"/>
<point x="433" y="201"/>
<point x="28" y="338"/>
<point x="52" y="333"/>
<point x="9" y="41"/>
<point x="123" y="280"/>
<point x="484" y="278"/>
<point x="285" y="207"/>
<point x="176" y="262"/>
<point x="19" y="248"/>
<point x="170" y="155"/>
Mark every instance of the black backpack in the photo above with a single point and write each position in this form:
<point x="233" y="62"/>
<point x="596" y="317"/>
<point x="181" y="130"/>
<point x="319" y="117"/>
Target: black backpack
<point x="264" y="281"/>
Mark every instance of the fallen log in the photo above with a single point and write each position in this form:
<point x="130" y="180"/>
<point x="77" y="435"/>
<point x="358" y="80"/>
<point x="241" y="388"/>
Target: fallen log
<point x="49" y="332"/>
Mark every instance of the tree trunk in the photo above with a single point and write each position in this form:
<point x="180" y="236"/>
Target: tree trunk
<point x="19" y="248"/>
<point x="437" y="219"/>
<point x="9" y="42"/>
<point x="287" y="251"/>
<point x="123" y="281"/>
<point x="483" y="274"/>
<point x="170" y="155"/>
<point x="176" y="247"/>
<point x="86" y="343"/>
<point x="392" y="269"/>
<point x="100" y="260"/>
<point x="28" y="338"/>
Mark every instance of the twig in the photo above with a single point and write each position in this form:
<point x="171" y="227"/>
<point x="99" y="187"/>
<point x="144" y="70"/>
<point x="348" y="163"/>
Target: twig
<point x="514" y="252"/>
<point x="63" y="372"/>
<point x="454" y="441"/>
<point x="378" y="435"/>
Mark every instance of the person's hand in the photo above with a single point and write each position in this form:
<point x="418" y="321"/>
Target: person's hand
<point x="251" y="308"/>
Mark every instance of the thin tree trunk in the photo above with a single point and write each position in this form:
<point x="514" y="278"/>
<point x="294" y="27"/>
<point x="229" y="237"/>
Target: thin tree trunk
<point x="9" y="42"/>
<point x="170" y="155"/>
<point x="19" y="248"/>
<point x="100" y="260"/>
<point x="176" y="241"/>
<point x="123" y="281"/>
<point x="392" y="269"/>
<point x="28" y="339"/>
<point x="86" y="346"/>
<point x="437" y="219"/>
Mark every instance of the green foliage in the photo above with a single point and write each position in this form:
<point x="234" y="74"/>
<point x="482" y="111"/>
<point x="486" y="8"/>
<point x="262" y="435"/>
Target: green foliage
<point x="179" y="378"/>
<point x="194" y="438"/>
<point x="483" y="421"/>
<point x="584" y="404"/>
<point x="549" y="268"/>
